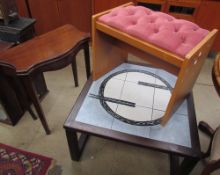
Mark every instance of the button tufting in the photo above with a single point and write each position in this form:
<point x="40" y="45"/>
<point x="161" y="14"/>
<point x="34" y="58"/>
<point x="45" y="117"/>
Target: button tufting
<point x="158" y="27"/>
<point x="156" y="30"/>
<point x="131" y="13"/>
<point x="195" y="29"/>
<point x="183" y="39"/>
<point x="133" y="22"/>
<point x="114" y="14"/>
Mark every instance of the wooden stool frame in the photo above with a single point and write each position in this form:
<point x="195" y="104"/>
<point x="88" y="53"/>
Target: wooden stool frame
<point x="111" y="47"/>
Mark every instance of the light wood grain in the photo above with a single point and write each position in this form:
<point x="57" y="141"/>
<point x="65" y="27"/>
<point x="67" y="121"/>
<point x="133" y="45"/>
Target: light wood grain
<point x="149" y="58"/>
<point x="105" y="54"/>
<point x="142" y="45"/>
<point x="188" y="74"/>
<point x="110" y="44"/>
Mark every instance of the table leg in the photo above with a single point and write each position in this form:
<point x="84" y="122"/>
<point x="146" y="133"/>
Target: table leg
<point x="30" y="88"/>
<point x="174" y="164"/>
<point x="20" y="89"/>
<point x="87" y="59"/>
<point x="9" y="100"/>
<point x="40" y="84"/>
<point x="74" y="69"/>
<point x="187" y="165"/>
<point x="76" y="145"/>
<point x="25" y="99"/>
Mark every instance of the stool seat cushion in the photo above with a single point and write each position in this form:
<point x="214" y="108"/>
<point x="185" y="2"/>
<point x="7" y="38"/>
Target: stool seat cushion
<point x="175" y="35"/>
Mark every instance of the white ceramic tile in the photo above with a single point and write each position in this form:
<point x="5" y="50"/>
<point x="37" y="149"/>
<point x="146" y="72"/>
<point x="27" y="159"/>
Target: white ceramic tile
<point x="138" y="67"/>
<point x="141" y="95"/>
<point x="121" y="76"/>
<point x="138" y="76"/>
<point x="91" y="112"/>
<point x="142" y="131"/>
<point x="134" y="113"/>
<point x="121" y="67"/>
<point x="157" y="114"/>
<point x="175" y="131"/>
<point x="113" y="88"/>
<point x="183" y="109"/>
<point x="161" y="99"/>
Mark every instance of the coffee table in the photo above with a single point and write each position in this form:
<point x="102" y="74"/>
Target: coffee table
<point x="98" y="116"/>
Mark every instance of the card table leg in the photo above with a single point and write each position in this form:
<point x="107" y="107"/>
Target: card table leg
<point x="20" y="89"/>
<point x="30" y="88"/>
<point x="74" y="69"/>
<point x="87" y="59"/>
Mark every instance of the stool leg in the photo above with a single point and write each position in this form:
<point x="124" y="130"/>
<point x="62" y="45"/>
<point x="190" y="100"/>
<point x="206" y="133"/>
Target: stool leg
<point x="87" y="59"/>
<point x="29" y="86"/>
<point x="74" y="69"/>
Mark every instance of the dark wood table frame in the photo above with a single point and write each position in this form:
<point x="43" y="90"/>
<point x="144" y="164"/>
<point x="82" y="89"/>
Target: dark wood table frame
<point x="63" y="61"/>
<point x="11" y="94"/>
<point x="76" y="146"/>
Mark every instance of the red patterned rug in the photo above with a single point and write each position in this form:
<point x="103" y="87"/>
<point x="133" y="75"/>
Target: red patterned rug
<point x="18" y="162"/>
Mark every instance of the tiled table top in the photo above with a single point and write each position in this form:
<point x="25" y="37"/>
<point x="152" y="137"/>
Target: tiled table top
<point x="150" y="104"/>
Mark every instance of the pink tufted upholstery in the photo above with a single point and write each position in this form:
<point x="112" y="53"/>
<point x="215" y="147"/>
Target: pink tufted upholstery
<point x="160" y="29"/>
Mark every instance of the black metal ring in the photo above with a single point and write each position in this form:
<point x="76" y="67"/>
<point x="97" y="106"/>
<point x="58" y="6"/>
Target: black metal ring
<point x="119" y="117"/>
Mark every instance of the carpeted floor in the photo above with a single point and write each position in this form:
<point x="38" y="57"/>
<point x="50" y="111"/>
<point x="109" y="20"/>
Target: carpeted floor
<point x="15" y="161"/>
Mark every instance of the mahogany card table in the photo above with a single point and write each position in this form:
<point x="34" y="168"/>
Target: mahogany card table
<point x="48" y="52"/>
